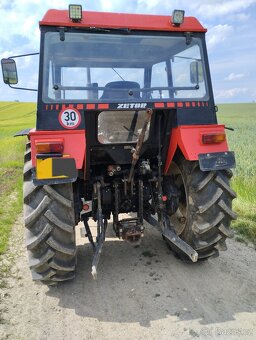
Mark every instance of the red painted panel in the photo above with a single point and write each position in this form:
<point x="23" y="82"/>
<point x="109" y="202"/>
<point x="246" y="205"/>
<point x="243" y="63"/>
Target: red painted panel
<point x="74" y="143"/>
<point x="90" y="106"/>
<point x="189" y="139"/>
<point x="116" y="20"/>
<point x="103" y="106"/>
<point x="159" y="105"/>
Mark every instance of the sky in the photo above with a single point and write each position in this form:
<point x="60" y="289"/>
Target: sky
<point x="231" y="39"/>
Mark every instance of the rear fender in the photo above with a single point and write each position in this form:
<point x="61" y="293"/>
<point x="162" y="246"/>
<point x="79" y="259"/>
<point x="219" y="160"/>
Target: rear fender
<point x="60" y="169"/>
<point x="188" y="138"/>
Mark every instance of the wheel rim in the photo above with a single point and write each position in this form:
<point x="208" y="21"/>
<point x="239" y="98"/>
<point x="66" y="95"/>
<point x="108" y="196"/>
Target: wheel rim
<point x="179" y="218"/>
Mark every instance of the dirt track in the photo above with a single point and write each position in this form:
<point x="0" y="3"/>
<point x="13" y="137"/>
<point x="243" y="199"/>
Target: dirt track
<point x="141" y="293"/>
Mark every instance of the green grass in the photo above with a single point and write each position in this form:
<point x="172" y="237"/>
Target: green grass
<point x="17" y="116"/>
<point x="13" y="118"/>
<point x="242" y="117"/>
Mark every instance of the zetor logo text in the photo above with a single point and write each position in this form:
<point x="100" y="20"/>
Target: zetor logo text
<point x="132" y="106"/>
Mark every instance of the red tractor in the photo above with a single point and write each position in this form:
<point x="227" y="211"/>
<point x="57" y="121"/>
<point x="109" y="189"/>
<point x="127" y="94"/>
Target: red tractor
<point x="126" y="123"/>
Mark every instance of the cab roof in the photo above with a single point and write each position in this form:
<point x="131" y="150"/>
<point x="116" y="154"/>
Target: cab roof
<point x="145" y="22"/>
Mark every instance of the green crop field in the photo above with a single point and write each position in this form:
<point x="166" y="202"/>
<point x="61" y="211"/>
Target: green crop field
<point x="13" y="118"/>
<point x="242" y="117"/>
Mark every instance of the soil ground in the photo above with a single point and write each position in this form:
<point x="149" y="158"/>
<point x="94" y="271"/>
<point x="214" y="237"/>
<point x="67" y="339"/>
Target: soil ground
<point x="140" y="293"/>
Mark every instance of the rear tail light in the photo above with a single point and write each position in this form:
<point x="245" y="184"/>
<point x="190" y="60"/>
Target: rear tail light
<point x="213" y="138"/>
<point x="56" y="146"/>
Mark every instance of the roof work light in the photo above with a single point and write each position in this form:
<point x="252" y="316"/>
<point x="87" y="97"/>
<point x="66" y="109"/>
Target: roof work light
<point x="178" y="17"/>
<point x="75" y="13"/>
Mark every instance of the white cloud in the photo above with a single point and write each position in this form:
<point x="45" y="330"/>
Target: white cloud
<point x="233" y="76"/>
<point x="204" y="9"/>
<point x="216" y="8"/>
<point x="7" y="54"/>
<point x="230" y="93"/>
<point x="149" y="4"/>
<point x="218" y="34"/>
<point x="242" y="17"/>
<point x="107" y="5"/>
<point x="117" y="5"/>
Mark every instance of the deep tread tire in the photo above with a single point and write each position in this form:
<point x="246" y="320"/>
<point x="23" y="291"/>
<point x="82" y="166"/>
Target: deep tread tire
<point x="208" y="207"/>
<point x="50" y="228"/>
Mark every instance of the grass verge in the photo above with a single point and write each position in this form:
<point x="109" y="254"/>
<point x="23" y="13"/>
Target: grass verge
<point x="13" y="118"/>
<point x="242" y="117"/>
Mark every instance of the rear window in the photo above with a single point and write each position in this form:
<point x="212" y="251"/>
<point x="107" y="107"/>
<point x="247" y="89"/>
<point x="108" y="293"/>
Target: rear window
<point x="89" y="67"/>
<point x="121" y="126"/>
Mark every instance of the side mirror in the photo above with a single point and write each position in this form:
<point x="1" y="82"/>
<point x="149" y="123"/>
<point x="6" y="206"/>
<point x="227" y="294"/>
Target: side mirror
<point x="9" y="69"/>
<point x="196" y="72"/>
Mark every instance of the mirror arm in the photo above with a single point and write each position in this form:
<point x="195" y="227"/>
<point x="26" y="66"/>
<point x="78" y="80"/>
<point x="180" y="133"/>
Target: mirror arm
<point x="22" y="88"/>
<point x="23" y="55"/>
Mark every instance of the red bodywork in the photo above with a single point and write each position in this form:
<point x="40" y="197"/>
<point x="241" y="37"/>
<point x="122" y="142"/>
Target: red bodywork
<point x="55" y="17"/>
<point x="188" y="138"/>
<point x="74" y="144"/>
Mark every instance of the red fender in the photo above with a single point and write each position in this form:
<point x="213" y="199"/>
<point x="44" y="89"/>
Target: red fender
<point x="189" y="140"/>
<point x="74" y="143"/>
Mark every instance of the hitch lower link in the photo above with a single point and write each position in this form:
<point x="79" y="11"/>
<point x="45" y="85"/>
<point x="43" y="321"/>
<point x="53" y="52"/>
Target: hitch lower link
<point x="101" y="231"/>
<point x="130" y="229"/>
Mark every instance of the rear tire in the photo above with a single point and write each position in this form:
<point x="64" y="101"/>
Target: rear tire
<point x="205" y="209"/>
<point x="50" y="228"/>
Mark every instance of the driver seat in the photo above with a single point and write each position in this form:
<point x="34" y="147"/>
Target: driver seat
<point x="111" y="93"/>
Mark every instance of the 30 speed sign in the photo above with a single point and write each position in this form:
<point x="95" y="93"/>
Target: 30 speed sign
<point x="69" y="118"/>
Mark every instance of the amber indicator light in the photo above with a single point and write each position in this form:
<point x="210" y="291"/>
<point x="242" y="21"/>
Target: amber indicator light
<point x="49" y="147"/>
<point x="213" y="138"/>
